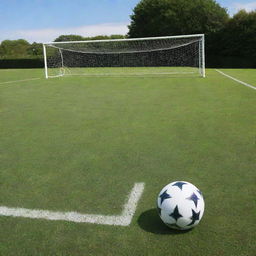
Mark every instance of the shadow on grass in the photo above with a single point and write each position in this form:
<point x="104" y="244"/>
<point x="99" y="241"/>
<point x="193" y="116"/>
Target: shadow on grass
<point x="151" y="222"/>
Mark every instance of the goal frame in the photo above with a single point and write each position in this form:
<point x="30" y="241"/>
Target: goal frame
<point x="201" y="47"/>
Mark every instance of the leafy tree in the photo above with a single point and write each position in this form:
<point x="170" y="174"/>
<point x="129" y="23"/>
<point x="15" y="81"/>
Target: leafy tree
<point x="69" y="38"/>
<point x="102" y="37"/>
<point x="238" y="38"/>
<point x="81" y="38"/>
<point x="1" y="52"/>
<point x="35" y="49"/>
<point x="117" y="37"/>
<point x="14" y="48"/>
<point x="174" y="17"/>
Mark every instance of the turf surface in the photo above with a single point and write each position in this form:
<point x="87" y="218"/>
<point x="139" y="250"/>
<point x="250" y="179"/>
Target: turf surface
<point x="80" y="143"/>
<point x="245" y="75"/>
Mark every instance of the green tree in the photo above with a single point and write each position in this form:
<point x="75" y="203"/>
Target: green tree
<point x="69" y="38"/>
<point x="238" y="38"/>
<point x="81" y="38"/>
<point x="102" y="37"/>
<point x="1" y="52"/>
<point x="117" y="36"/>
<point x="14" y="48"/>
<point x="174" y="17"/>
<point x="35" y="50"/>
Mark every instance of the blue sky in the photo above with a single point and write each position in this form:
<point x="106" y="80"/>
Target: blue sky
<point x="44" y="20"/>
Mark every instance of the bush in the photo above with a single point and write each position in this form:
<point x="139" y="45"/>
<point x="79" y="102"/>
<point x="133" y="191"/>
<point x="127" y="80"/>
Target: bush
<point x="22" y="63"/>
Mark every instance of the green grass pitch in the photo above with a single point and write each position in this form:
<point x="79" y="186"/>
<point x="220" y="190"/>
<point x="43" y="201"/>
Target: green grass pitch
<point x="80" y="143"/>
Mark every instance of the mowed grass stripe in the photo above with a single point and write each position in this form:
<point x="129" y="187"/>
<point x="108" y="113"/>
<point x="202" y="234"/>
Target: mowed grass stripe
<point x="235" y="79"/>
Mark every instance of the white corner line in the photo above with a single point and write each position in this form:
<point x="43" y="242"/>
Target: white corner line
<point x="117" y="220"/>
<point x="239" y="81"/>
<point x="23" y="80"/>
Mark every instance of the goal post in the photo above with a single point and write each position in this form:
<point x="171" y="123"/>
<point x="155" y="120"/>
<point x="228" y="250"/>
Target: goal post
<point x="168" y="55"/>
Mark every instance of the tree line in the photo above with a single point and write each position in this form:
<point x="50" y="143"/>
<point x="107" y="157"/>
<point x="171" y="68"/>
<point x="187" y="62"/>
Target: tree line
<point x="19" y="49"/>
<point x="230" y="38"/>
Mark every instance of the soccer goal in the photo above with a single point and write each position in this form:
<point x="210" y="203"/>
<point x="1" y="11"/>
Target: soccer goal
<point x="169" y="55"/>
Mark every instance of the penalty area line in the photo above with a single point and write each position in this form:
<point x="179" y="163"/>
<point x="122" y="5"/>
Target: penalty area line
<point x="239" y="81"/>
<point x="124" y="219"/>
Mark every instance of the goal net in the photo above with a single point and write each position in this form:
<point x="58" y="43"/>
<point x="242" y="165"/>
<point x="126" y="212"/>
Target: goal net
<point x="172" y="55"/>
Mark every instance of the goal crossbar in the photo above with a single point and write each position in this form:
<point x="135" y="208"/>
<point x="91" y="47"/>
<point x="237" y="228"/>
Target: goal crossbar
<point x="127" y="39"/>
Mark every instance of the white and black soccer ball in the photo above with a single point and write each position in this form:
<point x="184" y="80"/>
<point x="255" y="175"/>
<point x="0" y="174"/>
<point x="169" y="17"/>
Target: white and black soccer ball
<point x="180" y="205"/>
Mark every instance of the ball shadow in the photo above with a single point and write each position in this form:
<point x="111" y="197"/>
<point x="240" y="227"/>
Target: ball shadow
<point x="151" y="222"/>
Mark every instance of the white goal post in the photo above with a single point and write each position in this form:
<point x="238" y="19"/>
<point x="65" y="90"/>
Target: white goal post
<point x="168" y="55"/>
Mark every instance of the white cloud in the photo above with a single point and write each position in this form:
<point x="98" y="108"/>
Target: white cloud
<point x="246" y="6"/>
<point x="49" y="34"/>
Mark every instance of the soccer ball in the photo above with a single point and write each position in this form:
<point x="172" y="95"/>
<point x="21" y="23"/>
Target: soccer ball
<point x="180" y="205"/>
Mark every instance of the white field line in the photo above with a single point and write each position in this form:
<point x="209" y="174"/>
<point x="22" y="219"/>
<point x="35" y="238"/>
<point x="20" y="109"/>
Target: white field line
<point x="239" y="81"/>
<point x="117" y="220"/>
<point x="16" y="81"/>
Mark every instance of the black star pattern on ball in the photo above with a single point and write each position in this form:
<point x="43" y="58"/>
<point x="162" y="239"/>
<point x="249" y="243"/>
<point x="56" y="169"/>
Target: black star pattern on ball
<point x="193" y="198"/>
<point x="175" y="214"/>
<point x="179" y="184"/>
<point x="164" y="196"/>
<point x="194" y="218"/>
<point x="201" y="194"/>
